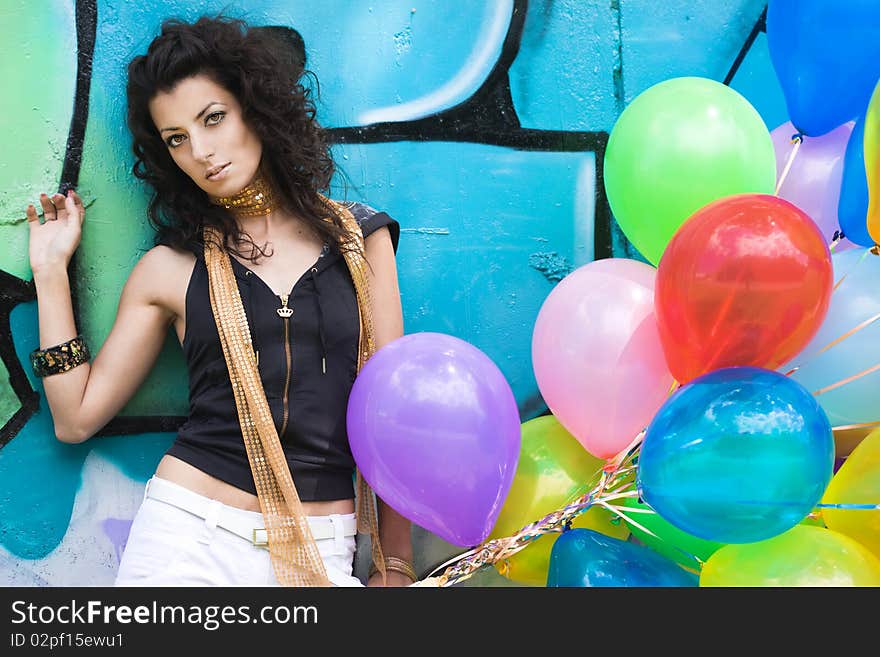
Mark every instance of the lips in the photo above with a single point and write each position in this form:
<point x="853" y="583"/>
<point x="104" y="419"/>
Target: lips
<point x="213" y="171"/>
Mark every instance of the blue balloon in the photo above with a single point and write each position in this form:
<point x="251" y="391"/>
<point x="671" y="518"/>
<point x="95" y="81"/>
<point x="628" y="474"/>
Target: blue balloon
<point x="586" y="558"/>
<point x="737" y="455"/>
<point x="826" y="54"/>
<point x="852" y="208"/>
<point x="827" y="360"/>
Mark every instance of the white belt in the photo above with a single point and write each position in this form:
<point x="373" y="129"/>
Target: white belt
<point x="240" y="521"/>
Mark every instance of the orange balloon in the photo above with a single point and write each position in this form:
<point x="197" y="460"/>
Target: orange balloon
<point x="746" y="280"/>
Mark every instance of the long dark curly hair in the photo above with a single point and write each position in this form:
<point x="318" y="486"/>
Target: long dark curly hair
<point x="264" y="69"/>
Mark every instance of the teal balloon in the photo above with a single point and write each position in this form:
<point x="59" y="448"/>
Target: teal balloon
<point x="586" y="558"/>
<point x="737" y="455"/>
<point x="854" y="302"/>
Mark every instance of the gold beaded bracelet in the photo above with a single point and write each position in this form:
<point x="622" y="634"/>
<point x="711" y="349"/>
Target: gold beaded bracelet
<point x="397" y="565"/>
<point x="60" y="358"/>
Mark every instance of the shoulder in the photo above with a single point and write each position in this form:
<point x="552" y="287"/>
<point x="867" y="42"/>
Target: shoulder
<point x="371" y="220"/>
<point x="361" y="211"/>
<point x="163" y="257"/>
<point x="160" y="270"/>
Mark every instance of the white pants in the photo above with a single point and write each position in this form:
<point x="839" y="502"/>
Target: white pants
<point x="178" y="539"/>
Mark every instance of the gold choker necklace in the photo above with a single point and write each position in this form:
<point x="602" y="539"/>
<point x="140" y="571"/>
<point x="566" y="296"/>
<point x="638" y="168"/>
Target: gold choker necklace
<point x="255" y="200"/>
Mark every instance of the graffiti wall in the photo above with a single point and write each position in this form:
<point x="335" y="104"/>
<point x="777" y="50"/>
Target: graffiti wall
<point x="480" y="125"/>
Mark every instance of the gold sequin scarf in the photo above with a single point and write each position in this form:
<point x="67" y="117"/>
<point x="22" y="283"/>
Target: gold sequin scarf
<point x="295" y="557"/>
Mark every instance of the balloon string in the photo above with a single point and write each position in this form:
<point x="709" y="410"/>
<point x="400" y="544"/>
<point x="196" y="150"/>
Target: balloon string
<point x="838" y="235"/>
<point x="862" y="507"/>
<point x="797" y="139"/>
<point x="849" y="379"/>
<point x="852" y="331"/>
<point x="465" y="565"/>
<point x="608" y="487"/>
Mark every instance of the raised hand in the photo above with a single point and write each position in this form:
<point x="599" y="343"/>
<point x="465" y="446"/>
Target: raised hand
<point x="53" y="241"/>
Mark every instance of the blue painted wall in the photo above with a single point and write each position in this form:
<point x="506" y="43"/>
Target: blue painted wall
<point x="479" y="125"/>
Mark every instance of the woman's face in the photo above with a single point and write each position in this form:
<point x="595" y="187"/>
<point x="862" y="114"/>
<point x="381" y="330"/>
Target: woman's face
<point x="203" y="128"/>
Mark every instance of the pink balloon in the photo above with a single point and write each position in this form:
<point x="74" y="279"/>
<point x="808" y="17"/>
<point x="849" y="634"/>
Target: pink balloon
<point x="597" y="355"/>
<point x="814" y="178"/>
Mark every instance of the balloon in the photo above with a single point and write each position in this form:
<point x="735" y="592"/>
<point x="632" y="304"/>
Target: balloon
<point x="597" y="356"/>
<point x="745" y="281"/>
<point x="854" y="302"/>
<point x="857" y="482"/>
<point x="814" y="178"/>
<point x="871" y="146"/>
<point x="678" y="145"/>
<point x="859" y="205"/>
<point x="553" y="470"/>
<point x="827" y="58"/>
<point x="434" y="428"/>
<point x="736" y="456"/>
<point x="853" y="204"/>
<point x="582" y="558"/>
<point x="801" y="556"/>
<point x="685" y="549"/>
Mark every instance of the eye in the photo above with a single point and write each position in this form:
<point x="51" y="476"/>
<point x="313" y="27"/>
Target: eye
<point x="175" y="140"/>
<point x="214" y="118"/>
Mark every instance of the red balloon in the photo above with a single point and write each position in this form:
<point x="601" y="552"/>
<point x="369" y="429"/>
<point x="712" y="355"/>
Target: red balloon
<point x="746" y="280"/>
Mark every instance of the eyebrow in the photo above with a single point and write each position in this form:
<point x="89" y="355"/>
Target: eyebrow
<point x="198" y="116"/>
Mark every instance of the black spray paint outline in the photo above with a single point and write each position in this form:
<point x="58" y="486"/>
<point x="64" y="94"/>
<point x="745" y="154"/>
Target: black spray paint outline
<point x="14" y="290"/>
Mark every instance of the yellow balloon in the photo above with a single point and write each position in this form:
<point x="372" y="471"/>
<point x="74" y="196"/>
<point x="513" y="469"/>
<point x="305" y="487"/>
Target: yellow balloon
<point x="857" y="482"/>
<point x="804" y="555"/>
<point x="553" y="470"/>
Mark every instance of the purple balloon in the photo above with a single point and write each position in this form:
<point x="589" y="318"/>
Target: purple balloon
<point x="814" y="179"/>
<point x="434" y="428"/>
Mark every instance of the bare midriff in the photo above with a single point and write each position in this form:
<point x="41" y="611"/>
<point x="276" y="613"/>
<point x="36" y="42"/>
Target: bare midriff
<point x="182" y="473"/>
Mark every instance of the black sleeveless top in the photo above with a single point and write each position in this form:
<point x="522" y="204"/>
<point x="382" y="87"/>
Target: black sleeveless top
<point x="307" y="362"/>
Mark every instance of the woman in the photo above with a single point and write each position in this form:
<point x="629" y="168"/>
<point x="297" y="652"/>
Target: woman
<point x="276" y="294"/>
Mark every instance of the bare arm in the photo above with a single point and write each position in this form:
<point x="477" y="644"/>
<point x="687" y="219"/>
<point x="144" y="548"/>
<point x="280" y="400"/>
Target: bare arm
<point x="394" y="529"/>
<point x="85" y="398"/>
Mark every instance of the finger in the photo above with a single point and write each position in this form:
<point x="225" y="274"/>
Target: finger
<point x="48" y="208"/>
<point x="70" y="207"/>
<point x="33" y="218"/>
<point x="58" y="200"/>
<point x="79" y="205"/>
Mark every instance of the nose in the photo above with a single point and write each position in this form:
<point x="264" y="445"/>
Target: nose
<point x="202" y="148"/>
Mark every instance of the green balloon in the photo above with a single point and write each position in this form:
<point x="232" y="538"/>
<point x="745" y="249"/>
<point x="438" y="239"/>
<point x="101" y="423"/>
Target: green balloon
<point x="686" y="549"/>
<point x="677" y="146"/>
<point x="668" y="540"/>
<point x="802" y="556"/>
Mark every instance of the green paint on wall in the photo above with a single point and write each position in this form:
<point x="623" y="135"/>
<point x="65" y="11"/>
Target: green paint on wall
<point x="8" y="399"/>
<point x="38" y="73"/>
